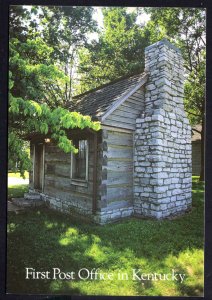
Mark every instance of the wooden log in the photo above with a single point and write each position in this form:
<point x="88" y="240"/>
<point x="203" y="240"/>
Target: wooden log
<point x="60" y="169"/>
<point x="120" y="166"/>
<point x="67" y="184"/>
<point x="60" y="156"/>
<point x="56" y="181"/>
<point x="136" y="98"/>
<point x="63" y="169"/>
<point x="138" y="107"/>
<point x="132" y="109"/>
<point x="120" y="147"/>
<point x="115" y="128"/>
<point x="121" y="119"/>
<point x="119" y="204"/>
<point x="52" y="149"/>
<point x="118" y="124"/>
<point x="118" y="199"/>
<point x="50" y="168"/>
<point x="115" y="178"/>
<point x="119" y="193"/>
<point x="139" y="93"/>
<point x="126" y="115"/>
<point x="117" y="153"/>
<point x="120" y="138"/>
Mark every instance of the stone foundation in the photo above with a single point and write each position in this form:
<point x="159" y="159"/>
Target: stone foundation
<point x="100" y="217"/>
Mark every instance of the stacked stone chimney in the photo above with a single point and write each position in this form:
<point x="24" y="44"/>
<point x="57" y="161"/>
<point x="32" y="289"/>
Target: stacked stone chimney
<point x="162" y="166"/>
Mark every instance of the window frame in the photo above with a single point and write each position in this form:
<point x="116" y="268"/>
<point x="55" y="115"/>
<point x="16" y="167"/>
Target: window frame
<point x="78" y="180"/>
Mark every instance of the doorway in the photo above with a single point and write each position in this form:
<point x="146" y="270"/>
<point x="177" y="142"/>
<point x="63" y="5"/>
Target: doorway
<point x="38" y="170"/>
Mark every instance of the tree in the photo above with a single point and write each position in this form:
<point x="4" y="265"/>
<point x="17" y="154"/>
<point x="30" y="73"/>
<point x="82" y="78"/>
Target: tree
<point x="45" y="49"/>
<point x="67" y="34"/>
<point x="186" y="28"/>
<point x="36" y="86"/>
<point x="33" y="74"/>
<point x="119" y="51"/>
<point x="27" y="116"/>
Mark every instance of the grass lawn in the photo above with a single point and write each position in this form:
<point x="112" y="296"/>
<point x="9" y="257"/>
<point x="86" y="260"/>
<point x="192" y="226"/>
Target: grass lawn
<point x="17" y="190"/>
<point x="44" y="239"/>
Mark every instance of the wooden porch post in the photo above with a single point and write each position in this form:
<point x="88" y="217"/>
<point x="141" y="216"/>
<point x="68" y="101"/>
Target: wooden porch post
<point x="94" y="204"/>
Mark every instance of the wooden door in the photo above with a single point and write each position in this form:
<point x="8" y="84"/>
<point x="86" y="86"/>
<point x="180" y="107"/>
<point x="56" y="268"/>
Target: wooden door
<point x="38" y="166"/>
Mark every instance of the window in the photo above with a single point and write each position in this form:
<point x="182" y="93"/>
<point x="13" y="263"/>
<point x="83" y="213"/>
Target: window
<point x="79" y="161"/>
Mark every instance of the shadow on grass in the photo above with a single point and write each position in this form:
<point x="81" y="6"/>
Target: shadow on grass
<point x="45" y="239"/>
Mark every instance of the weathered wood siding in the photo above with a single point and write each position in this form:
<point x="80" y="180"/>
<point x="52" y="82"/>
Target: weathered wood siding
<point x="58" y="182"/>
<point x="31" y="169"/>
<point x="57" y="177"/>
<point x="125" y="115"/>
<point x="117" y="169"/>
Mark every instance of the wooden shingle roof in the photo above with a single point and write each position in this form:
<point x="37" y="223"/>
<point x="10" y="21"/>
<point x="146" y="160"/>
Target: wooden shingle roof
<point x="96" y="103"/>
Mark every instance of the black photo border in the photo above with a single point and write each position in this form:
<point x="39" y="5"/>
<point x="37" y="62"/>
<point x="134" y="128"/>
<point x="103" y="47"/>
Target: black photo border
<point x="4" y="39"/>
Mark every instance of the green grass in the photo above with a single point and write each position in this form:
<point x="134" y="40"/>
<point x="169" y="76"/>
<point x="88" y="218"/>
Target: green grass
<point x="44" y="239"/>
<point x="17" y="191"/>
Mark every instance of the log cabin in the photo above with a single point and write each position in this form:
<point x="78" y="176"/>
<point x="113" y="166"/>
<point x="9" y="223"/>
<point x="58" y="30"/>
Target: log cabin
<point x="139" y="163"/>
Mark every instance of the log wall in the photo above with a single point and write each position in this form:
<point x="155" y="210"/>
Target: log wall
<point x="60" y="191"/>
<point x="117" y="174"/>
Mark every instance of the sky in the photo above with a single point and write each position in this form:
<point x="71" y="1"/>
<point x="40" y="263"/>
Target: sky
<point x="98" y="16"/>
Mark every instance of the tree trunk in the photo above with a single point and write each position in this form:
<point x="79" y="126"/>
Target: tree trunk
<point x="202" y="171"/>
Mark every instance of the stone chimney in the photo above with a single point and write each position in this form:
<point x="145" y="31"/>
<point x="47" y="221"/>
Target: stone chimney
<point x="162" y="166"/>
